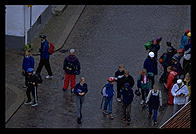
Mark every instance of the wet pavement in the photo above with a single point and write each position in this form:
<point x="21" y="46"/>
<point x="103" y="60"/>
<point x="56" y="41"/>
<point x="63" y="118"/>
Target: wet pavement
<point x="104" y="37"/>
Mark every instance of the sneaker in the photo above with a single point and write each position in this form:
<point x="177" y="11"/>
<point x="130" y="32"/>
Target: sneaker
<point x="155" y="123"/>
<point x="105" y="112"/>
<point x="49" y="77"/>
<point x="142" y="102"/>
<point x="118" y="99"/>
<point x="34" y="104"/>
<point x="111" y="117"/>
<point x="28" y="102"/>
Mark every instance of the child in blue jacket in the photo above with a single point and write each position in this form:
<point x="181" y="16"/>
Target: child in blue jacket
<point x="28" y="62"/>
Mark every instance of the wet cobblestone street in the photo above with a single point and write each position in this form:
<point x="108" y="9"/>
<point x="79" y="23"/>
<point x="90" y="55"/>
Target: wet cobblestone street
<point x="104" y="37"/>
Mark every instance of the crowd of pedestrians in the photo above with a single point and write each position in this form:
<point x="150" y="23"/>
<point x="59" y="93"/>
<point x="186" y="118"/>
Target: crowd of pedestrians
<point x="175" y="78"/>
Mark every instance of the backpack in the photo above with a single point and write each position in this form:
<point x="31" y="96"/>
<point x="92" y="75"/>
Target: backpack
<point x="148" y="45"/>
<point x="102" y="89"/>
<point x="70" y="66"/>
<point x="51" y="48"/>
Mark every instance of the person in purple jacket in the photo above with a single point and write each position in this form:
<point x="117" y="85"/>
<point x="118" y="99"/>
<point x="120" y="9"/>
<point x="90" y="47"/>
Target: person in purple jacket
<point x="28" y="62"/>
<point x="80" y="91"/>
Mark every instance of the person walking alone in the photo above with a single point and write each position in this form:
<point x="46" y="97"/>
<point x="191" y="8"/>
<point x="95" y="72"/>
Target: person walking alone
<point x="71" y="68"/>
<point x="80" y="91"/>
<point x="44" y="57"/>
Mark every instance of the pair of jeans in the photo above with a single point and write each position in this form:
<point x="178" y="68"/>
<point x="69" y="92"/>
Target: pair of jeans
<point x="79" y="102"/>
<point x="127" y="110"/>
<point x="108" y="103"/>
<point x="155" y="112"/>
<point x="46" y="63"/>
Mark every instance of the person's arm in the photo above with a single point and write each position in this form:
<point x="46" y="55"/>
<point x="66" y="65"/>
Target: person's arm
<point x="173" y="91"/>
<point x="32" y="62"/>
<point x="148" y="97"/>
<point x="160" y="98"/>
<point x="132" y="82"/>
<point x="76" y="90"/>
<point x="104" y="92"/>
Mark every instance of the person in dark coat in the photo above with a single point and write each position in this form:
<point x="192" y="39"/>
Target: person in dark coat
<point x="184" y="39"/>
<point x="128" y="96"/>
<point x="44" y="57"/>
<point x="118" y="75"/>
<point x="150" y="64"/>
<point x="156" y="46"/>
<point x="80" y="91"/>
<point x="71" y="67"/>
<point x="28" y="62"/>
<point x="127" y="78"/>
<point x="154" y="100"/>
<point x="176" y="64"/>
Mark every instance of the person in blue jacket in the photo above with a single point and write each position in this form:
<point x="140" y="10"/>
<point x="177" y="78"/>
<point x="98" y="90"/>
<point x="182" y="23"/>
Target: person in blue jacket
<point x="184" y="40"/>
<point x="150" y="64"/>
<point x="128" y="96"/>
<point x="108" y="93"/>
<point x="80" y="91"/>
<point x="28" y="62"/>
<point x="44" y="57"/>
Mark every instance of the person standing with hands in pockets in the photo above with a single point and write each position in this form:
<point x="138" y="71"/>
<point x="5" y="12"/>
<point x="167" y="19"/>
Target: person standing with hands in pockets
<point x="80" y="91"/>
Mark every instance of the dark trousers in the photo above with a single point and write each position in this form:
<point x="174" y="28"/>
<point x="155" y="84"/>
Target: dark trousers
<point x="152" y="81"/>
<point x="46" y="63"/>
<point x="164" y="76"/>
<point x="126" y="110"/>
<point x="33" y="90"/>
<point x="26" y="74"/>
<point x="186" y="66"/>
<point x="118" y="90"/>
<point x="144" y="93"/>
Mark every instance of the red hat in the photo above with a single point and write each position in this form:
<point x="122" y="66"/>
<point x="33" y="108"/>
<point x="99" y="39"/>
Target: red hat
<point x="111" y="79"/>
<point x="187" y="31"/>
<point x="181" y="50"/>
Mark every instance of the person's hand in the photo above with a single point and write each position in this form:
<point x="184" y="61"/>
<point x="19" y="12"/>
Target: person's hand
<point x="82" y="93"/>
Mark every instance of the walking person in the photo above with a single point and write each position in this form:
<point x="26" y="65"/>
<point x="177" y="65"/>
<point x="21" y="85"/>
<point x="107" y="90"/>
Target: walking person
<point x="180" y="92"/>
<point x="154" y="101"/>
<point x="108" y="93"/>
<point x="156" y="46"/>
<point x="150" y="64"/>
<point x="31" y="88"/>
<point x="184" y="39"/>
<point x="118" y="75"/>
<point x="71" y="68"/>
<point x="28" y="62"/>
<point x="80" y="91"/>
<point x="128" y="95"/>
<point x="171" y="80"/>
<point x="144" y="84"/>
<point x="44" y="57"/>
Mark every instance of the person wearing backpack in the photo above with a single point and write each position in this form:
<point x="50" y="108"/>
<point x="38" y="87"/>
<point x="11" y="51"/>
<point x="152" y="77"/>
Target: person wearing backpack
<point x="108" y="93"/>
<point x="80" y="91"/>
<point x="179" y="92"/>
<point x="31" y="88"/>
<point x="154" y="101"/>
<point x="71" y="67"/>
<point x="171" y="80"/>
<point x="150" y="64"/>
<point x="156" y="46"/>
<point x="44" y="57"/>
<point x="127" y="78"/>
<point x="118" y="75"/>
<point x="184" y="39"/>
<point x="144" y="84"/>
<point x="127" y="95"/>
<point x="28" y="62"/>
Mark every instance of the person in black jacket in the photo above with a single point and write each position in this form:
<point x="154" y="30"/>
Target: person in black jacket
<point x="118" y="76"/>
<point x="31" y="87"/>
<point x="127" y="78"/>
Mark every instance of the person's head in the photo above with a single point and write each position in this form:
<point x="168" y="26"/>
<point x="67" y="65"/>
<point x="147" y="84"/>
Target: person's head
<point x="28" y="52"/>
<point x="82" y="80"/>
<point x="159" y="40"/>
<point x="151" y="55"/>
<point x="126" y="73"/>
<point x="168" y="44"/>
<point x="179" y="82"/>
<point x="42" y="37"/>
<point x="189" y="34"/>
<point x="180" y="52"/>
<point x="155" y="87"/>
<point x="30" y="71"/>
<point x="187" y="76"/>
<point x="144" y="71"/>
<point x="72" y="51"/>
<point x="111" y="80"/>
<point x="169" y="50"/>
<point x="121" y="67"/>
<point x="169" y="68"/>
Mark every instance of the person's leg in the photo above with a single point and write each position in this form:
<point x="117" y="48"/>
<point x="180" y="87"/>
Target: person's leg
<point x="81" y="103"/>
<point x="34" y="94"/>
<point x="78" y="106"/>
<point x="118" y="90"/>
<point x="155" y="115"/>
<point x="129" y="112"/>
<point x="150" y="111"/>
<point x="25" y="78"/>
<point x="124" y="111"/>
<point x="47" y="66"/>
<point x="110" y="106"/>
<point x="175" y="108"/>
<point x="28" y="94"/>
<point x="105" y="104"/>
<point x="170" y="100"/>
<point x="40" y="66"/>
<point x="66" y="81"/>
<point x="143" y="94"/>
<point x="73" y="81"/>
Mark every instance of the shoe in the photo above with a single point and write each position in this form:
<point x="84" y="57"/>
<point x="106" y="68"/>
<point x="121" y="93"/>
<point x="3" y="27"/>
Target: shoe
<point x="142" y="102"/>
<point x="149" y="116"/>
<point x="118" y="99"/>
<point x="105" y="112"/>
<point x="111" y="117"/>
<point x="124" y="118"/>
<point x="24" y="86"/>
<point x="155" y="123"/>
<point x="28" y="102"/>
<point x="49" y="77"/>
<point x="34" y="104"/>
<point x="79" y="121"/>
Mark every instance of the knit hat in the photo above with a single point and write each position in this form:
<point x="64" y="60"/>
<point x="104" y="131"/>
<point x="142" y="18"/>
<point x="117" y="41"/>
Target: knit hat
<point x="187" y="31"/>
<point x="179" y="81"/>
<point x="151" y="54"/>
<point x="72" y="50"/>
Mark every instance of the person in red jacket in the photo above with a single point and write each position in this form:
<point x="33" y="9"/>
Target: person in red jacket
<point x="170" y="82"/>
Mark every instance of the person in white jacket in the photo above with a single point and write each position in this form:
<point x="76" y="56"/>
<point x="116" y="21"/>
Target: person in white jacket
<point x="179" y="91"/>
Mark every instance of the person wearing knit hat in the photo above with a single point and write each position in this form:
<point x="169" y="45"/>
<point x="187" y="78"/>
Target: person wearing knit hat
<point x="180" y="92"/>
<point x="184" y="39"/>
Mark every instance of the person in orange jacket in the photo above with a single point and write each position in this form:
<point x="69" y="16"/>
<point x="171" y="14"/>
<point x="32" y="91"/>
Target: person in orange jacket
<point x="171" y="80"/>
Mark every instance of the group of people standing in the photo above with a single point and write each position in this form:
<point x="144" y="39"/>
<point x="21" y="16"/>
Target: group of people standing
<point x="175" y="78"/>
